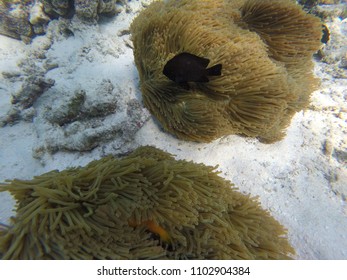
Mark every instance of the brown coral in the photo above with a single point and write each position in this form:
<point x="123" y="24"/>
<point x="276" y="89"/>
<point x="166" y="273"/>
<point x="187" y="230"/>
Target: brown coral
<point x="265" y="48"/>
<point x="145" y="206"/>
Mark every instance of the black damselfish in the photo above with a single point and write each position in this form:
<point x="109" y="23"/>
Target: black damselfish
<point x="186" y="67"/>
<point x="326" y="34"/>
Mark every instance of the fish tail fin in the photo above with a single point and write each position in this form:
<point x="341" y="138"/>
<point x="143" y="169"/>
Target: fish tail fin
<point x="215" y="70"/>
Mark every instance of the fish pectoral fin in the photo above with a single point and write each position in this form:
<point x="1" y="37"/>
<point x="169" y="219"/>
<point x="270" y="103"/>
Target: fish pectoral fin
<point x="215" y="70"/>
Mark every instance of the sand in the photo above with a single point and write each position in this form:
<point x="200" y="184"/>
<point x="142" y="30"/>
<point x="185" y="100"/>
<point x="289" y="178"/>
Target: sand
<point x="301" y="180"/>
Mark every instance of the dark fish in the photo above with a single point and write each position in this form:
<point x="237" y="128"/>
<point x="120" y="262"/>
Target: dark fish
<point x="186" y="67"/>
<point x="326" y="34"/>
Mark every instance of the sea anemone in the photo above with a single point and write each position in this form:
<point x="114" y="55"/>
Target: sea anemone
<point x="146" y="205"/>
<point x="265" y="48"/>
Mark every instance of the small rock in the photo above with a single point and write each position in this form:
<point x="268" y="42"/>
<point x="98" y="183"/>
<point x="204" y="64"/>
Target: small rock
<point x="340" y="155"/>
<point x="87" y="9"/>
<point x="13" y="116"/>
<point x="343" y="61"/>
<point x="50" y="65"/>
<point x="32" y="88"/>
<point x="123" y="32"/>
<point x="37" y="16"/>
<point x="14" y="21"/>
<point x="28" y="114"/>
<point x="57" y="8"/>
<point x="11" y="75"/>
<point x="66" y="110"/>
<point x="108" y="7"/>
<point x="328" y="148"/>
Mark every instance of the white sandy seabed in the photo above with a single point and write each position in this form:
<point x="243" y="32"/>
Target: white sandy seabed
<point x="301" y="180"/>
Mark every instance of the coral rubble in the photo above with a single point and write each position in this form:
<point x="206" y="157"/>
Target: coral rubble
<point x="25" y="19"/>
<point x="100" y="113"/>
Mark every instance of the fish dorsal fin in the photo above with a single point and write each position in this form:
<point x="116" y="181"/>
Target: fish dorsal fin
<point x="200" y="60"/>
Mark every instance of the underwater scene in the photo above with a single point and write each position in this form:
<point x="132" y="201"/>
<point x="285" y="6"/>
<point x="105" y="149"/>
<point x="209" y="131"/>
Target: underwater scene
<point x="173" y="129"/>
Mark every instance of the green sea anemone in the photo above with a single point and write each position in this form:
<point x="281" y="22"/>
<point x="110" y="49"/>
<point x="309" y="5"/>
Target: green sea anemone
<point x="265" y="48"/>
<point x="146" y="205"/>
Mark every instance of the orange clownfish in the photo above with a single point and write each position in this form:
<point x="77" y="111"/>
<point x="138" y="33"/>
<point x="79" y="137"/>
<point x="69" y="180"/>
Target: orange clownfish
<point x="153" y="227"/>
